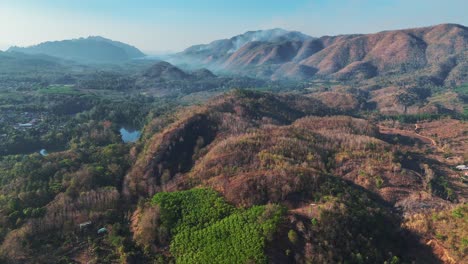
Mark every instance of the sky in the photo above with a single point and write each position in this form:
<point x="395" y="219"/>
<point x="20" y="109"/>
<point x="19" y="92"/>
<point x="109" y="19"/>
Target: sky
<point x="158" y="26"/>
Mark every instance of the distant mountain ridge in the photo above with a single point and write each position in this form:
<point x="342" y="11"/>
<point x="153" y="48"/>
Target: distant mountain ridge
<point x="92" y="49"/>
<point x="438" y="52"/>
<point x="219" y="50"/>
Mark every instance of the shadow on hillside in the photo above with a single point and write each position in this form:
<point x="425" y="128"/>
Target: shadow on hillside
<point x="417" y="250"/>
<point x="409" y="247"/>
<point x="401" y="139"/>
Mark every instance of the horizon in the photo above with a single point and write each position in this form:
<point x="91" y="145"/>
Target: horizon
<point x="167" y="27"/>
<point x="169" y="51"/>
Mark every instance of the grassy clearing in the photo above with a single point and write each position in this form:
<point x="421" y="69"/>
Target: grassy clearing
<point x="59" y="89"/>
<point x="462" y="89"/>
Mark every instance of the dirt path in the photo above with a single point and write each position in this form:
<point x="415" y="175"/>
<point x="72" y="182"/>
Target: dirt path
<point x="308" y="210"/>
<point x="406" y="133"/>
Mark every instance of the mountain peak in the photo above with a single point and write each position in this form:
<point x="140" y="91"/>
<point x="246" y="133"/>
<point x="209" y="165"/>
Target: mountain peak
<point x="267" y="35"/>
<point x="97" y="38"/>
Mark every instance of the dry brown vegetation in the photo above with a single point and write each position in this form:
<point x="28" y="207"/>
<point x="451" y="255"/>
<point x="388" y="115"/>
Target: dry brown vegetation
<point x="64" y="213"/>
<point x="255" y="156"/>
<point x="174" y="150"/>
<point x="435" y="54"/>
<point x="258" y="148"/>
<point x="337" y="100"/>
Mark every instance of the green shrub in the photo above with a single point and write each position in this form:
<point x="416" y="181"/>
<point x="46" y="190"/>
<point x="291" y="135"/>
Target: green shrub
<point x="458" y="212"/>
<point x="292" y="236"/>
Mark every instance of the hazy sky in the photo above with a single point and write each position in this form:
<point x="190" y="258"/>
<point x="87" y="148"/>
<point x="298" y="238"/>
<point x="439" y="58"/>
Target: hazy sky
<point x="172" y="25"/>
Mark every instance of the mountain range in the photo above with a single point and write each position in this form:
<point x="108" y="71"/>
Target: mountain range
<point x="439" y="52"/>
<point x="436" y="55"/>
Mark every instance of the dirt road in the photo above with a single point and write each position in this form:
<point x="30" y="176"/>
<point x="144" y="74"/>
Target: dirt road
<point x="406" y="133"/>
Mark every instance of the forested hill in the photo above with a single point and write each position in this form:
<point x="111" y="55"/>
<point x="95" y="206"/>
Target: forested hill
<point x="91" y="49"/>
<point x="251" y="176"/>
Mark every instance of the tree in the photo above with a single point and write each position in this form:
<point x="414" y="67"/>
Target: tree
<point x="292" y="236"/>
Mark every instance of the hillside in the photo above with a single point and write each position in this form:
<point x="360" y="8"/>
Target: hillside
<point x="91" y="49"/>
<point x="165" y="71"/>
<point x="437" y="53"/>
<point x="259" y="149"/>
<point x="243" y="134"/>
<point x="254" y="176"/>
<point x="13" y="62"/>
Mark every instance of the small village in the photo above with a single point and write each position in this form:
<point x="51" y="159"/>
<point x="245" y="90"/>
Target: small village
<point x="21" y="120"/>
<point x="16" y="126"/>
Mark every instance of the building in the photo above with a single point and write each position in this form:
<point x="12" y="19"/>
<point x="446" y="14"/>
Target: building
<point x="102" y="231"/>
<point x="25" y="125"/>
<point x="85" y="225"/>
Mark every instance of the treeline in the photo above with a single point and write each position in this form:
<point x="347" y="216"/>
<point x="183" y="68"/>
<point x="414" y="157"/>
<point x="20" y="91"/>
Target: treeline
<point x="414" y="118"/>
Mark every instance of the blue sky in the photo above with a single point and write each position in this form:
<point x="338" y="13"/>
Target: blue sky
<point x="172" y="25"/>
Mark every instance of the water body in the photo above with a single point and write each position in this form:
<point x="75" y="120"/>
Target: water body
<point x="43" y="152"/>
<point x="129" y="135"/>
